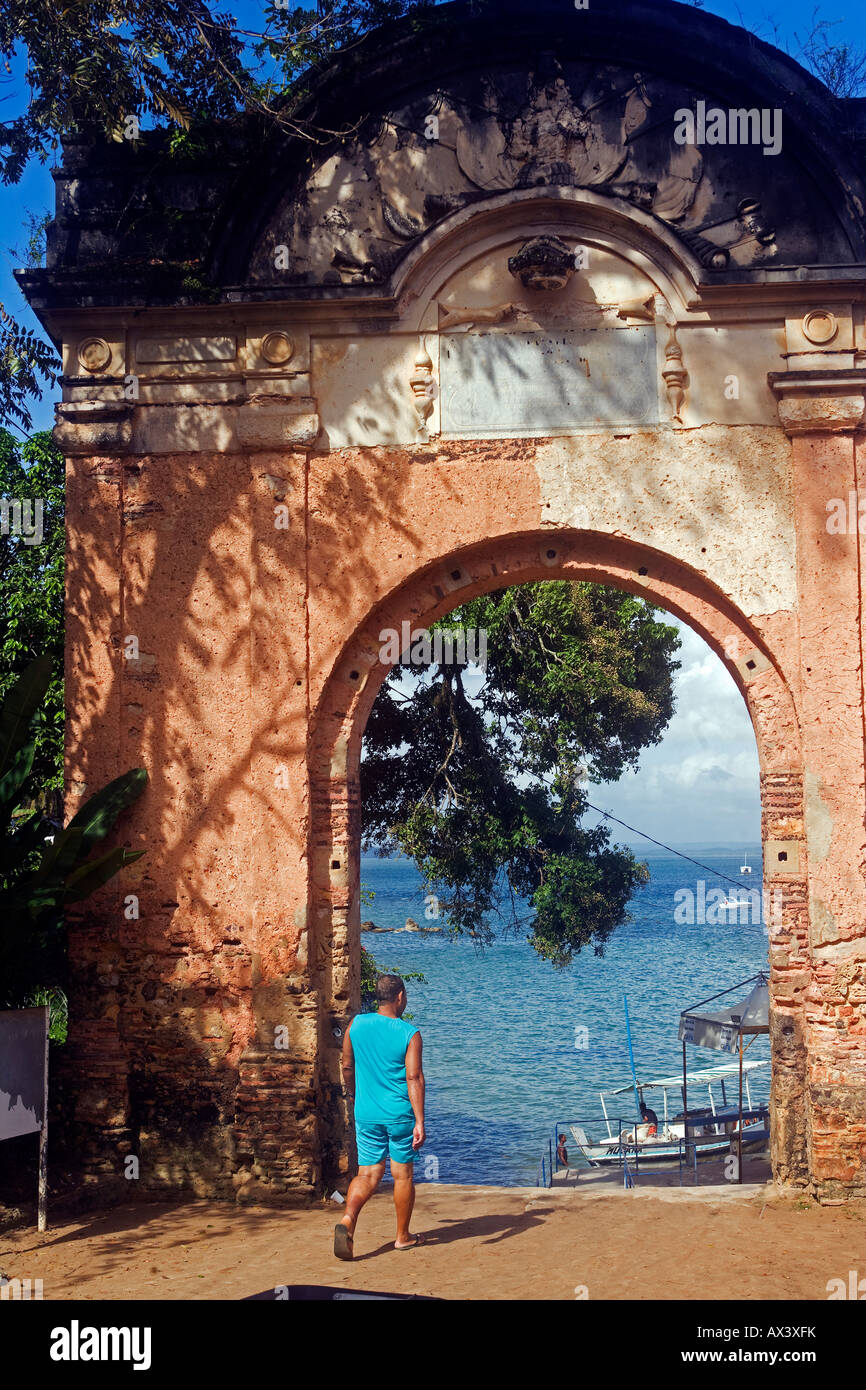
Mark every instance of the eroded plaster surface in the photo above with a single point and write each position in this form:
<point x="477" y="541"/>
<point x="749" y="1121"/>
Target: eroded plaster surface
<point x="720" y="498"/>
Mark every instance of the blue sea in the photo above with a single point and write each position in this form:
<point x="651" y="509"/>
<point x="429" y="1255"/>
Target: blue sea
<point x="500" y="1024"/>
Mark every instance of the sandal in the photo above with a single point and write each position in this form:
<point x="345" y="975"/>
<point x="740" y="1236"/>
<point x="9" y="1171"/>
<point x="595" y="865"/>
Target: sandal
<point x="343" y="1242"/>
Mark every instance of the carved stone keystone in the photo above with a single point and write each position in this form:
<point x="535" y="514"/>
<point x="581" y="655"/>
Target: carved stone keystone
<point x="545" y="263"/>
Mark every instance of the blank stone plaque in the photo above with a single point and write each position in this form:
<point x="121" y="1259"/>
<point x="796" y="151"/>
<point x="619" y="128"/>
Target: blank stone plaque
<point x="536" y="383"/>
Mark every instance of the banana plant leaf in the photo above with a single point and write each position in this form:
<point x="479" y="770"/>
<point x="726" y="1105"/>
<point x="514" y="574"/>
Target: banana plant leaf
<point x="38" y="878"/>
<point x="91" y="824"/>
<point x="16" y="849"/>
<point x="20" y="707"/>
<point x="61" y="857"/>
<point x="92" y="875"/>
<point x="13" y="779"/>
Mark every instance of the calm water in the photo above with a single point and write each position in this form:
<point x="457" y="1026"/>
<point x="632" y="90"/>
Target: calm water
<point x="499" y="1024"/>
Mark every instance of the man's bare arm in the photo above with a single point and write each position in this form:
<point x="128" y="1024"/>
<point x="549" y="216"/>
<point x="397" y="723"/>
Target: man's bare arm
<point x="415" y="1087"/>
<point x="348" y="1060"/>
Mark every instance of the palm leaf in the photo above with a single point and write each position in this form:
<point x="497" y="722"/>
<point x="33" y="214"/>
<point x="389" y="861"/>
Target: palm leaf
<point x="19" y="707"/>
<point x="13" y="780"/>
<point x="92" y="875"/>
<point x="98" y="815"/>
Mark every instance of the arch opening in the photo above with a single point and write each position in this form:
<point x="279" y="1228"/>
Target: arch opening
<point x="437" y="590"/>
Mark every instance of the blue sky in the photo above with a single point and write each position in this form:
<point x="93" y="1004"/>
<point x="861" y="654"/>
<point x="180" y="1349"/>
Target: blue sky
<point x="701" y="783"/>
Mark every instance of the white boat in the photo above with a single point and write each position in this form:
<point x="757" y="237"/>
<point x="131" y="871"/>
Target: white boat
<point x="745" y="867"/>
<point x="712" y="1128"/>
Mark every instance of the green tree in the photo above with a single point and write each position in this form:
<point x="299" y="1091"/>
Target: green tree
<point x="27" y="364"/>
<point x="42" y="873"/>
<point x="31" y="595"/>
<point x="92" y="66"/>
<point x="115" y="70"/>
<point x="370" y="972"/>
<point x="488" y="795"/>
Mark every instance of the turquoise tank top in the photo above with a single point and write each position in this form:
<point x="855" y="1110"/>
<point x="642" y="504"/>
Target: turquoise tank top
<point x="379" y="1045"/>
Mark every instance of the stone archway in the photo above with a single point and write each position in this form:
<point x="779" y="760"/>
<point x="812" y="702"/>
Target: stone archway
<point x="498" y="309"/>
<point x="335" y="822"/>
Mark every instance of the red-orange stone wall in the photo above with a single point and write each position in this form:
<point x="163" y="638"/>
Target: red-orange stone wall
<point x="205" y="1030"/>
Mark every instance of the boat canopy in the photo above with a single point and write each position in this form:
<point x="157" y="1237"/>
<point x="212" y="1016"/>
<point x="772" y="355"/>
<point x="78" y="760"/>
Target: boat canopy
<point x="706" y="1074"/>
<point x="719" y="1030"/>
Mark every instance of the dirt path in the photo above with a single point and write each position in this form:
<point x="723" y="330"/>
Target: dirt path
<point x="481" y="1243"/>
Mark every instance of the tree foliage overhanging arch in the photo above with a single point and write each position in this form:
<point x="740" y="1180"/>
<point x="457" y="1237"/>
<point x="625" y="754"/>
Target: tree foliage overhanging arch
<point x="488" y="795"/>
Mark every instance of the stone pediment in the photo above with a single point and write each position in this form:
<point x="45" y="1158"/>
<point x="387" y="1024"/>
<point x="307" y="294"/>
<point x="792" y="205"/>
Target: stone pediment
<point x="468" y="105"/>
<point x="553" y="125"/>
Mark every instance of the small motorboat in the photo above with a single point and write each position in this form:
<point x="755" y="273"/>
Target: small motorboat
<point x="713" y="1129"/>
<point x="734" y="902"/>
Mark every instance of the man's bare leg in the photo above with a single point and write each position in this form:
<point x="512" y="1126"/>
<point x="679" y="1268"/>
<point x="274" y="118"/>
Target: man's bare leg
<point x="404" y="1200"/>
<point x="361" y="1189"/>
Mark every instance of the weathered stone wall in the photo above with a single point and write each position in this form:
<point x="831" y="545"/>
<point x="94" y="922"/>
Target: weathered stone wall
<point x="542" y="341"/>
<point x="180" y="1062"/>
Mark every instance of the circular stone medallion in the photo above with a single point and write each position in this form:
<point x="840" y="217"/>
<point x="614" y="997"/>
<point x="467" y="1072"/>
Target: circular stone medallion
<point x="94" y="354"/>
<point x="277" y="348"/>
<point x="820" y="326"/>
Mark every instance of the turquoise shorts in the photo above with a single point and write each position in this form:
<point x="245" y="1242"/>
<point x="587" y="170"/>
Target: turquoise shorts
<point x="375" y="1141"/>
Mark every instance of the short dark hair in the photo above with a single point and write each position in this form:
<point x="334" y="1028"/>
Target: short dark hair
<point x="388" y="988"/>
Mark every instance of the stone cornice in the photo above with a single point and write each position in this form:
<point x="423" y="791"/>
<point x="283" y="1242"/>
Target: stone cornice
<point x="812" y="401"/>
<point x="113" y="428"/>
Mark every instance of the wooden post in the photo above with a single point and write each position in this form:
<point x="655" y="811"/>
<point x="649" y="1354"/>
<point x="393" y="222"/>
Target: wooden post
<point x="685" y="1106"/>
<point x="42" y="1198"/>
<point x="740" y="1128"/>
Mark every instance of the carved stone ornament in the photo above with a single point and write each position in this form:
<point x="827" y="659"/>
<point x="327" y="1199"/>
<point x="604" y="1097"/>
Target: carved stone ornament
<point x="642" y="309"/>
<point x="751" y="214"/>
<point x="820" y="326"/>
<point x="277" y="348"/>
<point x="94" y="354"/>
<point x="675" y="375"/>
<point x="424" y="392"/>
<point x="456" y="317"/>
<point x="545" y="263"/>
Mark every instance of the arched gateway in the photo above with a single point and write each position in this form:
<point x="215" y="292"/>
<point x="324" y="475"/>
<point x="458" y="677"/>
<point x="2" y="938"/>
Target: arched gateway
<point x="570" y="293"/>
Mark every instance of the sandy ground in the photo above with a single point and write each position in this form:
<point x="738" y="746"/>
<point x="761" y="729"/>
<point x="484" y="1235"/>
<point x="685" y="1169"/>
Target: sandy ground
<point x="481" y="1243"/>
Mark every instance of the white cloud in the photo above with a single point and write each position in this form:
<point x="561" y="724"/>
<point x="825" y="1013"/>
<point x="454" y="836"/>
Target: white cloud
<point x="701" y="782"/>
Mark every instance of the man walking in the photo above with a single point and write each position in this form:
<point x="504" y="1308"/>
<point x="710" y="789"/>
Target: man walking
<point x="382" y="1072"/>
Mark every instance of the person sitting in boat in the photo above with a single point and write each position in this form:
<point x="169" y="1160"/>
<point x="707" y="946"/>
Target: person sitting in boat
<point x="650" y="1119"/>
